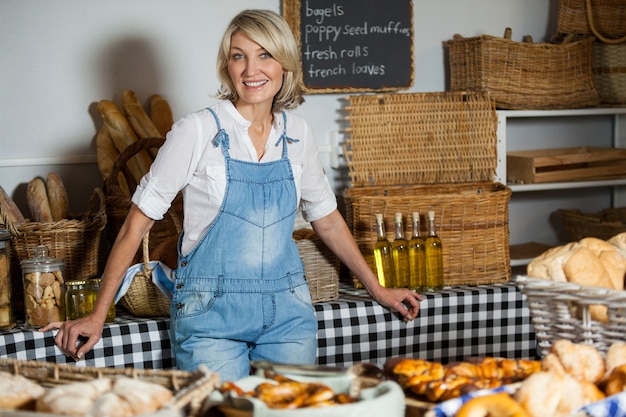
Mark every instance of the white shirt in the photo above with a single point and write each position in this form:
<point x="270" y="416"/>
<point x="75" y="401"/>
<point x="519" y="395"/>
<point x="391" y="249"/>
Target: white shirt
<point x="189" y="161"/>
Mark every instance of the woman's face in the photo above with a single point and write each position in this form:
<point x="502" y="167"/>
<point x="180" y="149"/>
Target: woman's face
<point x="256" y="75"/>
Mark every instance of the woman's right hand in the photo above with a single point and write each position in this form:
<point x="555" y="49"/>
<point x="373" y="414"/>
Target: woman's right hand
<point x="76" y="337"/>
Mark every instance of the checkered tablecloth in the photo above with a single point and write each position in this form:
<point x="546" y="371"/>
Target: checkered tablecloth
<point x="453" y="324"/>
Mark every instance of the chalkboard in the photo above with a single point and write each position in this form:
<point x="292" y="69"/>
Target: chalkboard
<point x="353" y="45"/>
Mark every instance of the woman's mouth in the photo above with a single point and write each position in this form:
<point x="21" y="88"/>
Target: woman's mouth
<point x="254" y="83"/>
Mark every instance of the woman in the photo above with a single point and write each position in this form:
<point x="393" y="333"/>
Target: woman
<point x="245" y="165"/>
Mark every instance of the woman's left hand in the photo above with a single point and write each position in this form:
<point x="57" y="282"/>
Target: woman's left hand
<point x="402" y="300"/>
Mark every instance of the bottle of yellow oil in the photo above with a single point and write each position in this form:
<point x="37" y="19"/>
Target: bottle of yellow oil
<point x="400" y="252"/>
<point x="382" y="255"/>
<point x="417" y="256"/>
<point x="434" y="256"/>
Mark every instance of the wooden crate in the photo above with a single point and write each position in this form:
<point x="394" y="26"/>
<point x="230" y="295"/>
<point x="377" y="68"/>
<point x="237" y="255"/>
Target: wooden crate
<point x="565" y="164"/>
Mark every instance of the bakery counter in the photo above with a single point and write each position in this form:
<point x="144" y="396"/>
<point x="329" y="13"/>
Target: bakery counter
<point x="455" y="323"/>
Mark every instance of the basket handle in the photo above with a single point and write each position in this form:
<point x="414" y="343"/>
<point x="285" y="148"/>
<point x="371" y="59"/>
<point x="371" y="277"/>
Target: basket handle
<point x="96" y="212"/>
<point x="595" y="31"/>
<point x="111" y="183"/>
<point x="145" y="247"/>
<point x="4" y="216"/>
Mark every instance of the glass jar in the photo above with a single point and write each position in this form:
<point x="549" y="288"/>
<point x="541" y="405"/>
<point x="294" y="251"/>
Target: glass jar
<point x="6" y="310"/>
<point x="95" y="285"/>
<point x="79" y="299"/>
<point x="44" y="288"/>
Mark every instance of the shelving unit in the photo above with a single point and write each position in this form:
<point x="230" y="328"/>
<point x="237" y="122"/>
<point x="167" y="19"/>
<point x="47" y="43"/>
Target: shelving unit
<point x="507" y="118"/>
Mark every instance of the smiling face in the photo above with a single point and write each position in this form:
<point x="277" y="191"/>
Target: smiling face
<point x="256" y="75"/>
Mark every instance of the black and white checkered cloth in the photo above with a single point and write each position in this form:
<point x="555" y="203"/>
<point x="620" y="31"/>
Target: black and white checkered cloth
<point x="453" y="324"/>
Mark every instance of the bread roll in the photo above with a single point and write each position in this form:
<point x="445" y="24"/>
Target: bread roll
<point x="123" y="135"/>
<point x="57" y="197"/>
<point x="615" y="356"/>
<point x="37" y="199"/>
<point x="11" y="210"/>
<point x="18" y="392"/>
<point x="142" y="396"/>
<point x="161" y="114"/>
<point x="616" y="381"/>
<point x="549" y="265"/>
<point x="614" y="263"/>
<point x="74" y="399"/>
<point x="579" y="360"/>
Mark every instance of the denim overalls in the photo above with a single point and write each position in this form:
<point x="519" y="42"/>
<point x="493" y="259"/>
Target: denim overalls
<point x="240" y="294"/>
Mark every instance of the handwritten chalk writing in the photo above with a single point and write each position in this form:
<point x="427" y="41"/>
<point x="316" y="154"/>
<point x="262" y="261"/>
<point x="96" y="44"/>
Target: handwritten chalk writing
<point x="350" y="30"/>
<point x="326" y="72"/>
<point x="391" y="28"/>
<point x="357" y="52"/>
<point x="368" y="69"/>
<point x="321" y="14"/>
<point x="324" y="33"/>
<point x="320" y="54"/>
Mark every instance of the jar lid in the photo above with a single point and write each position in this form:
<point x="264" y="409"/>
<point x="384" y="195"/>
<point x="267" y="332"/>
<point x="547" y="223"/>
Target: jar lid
<point x="76" y="282"/>
<point x="5" y="234"/>
<point x="42" y="260"/>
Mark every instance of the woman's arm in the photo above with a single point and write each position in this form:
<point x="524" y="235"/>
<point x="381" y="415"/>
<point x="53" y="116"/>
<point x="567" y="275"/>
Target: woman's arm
<point x="334" y="232"/>
<point x="122" y="255"/>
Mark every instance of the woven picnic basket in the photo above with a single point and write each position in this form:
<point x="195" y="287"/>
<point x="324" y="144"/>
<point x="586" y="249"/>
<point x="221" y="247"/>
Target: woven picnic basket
<point x="560" y="310"/>
<point x="143" y="298"/>
<point x="76" y="240"/>
<point x="118" y="203"/>
<point x="604" y="19"/>
<point x="524" y="75"/>
<point x="321" y="266"/>
<point x="189" y="389"/>
<point x="430" y="151"/>
<point x="609" y="71"/>
<point x="602" y="225"/>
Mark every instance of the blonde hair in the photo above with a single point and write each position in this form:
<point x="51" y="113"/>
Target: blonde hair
<point x="271" y="31"/>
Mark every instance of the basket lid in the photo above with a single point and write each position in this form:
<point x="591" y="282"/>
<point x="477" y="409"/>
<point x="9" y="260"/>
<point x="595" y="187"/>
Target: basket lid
<point x="421" y="138"/>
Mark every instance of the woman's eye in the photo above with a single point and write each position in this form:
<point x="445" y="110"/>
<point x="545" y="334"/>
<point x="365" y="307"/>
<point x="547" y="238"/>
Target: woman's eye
<point x="237" y="56"/>
<point x="266" y="55"/>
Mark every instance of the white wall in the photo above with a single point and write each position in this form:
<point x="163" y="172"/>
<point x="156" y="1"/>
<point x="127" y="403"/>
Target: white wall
<point x="59" y="58"/>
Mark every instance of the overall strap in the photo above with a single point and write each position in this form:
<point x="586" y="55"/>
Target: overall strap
<point x="284" y="138"/>
<point x="222" y="137"/>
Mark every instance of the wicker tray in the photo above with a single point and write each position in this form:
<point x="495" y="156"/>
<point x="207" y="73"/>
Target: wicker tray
<point x="421" y="138"/>
<point x="189" y="388"/>
<point x="472" y="222"/>
<point x="321" y="266"/>
<point x="524" y="75"/>
<point x="603" y="225"/>
<point x="560" y="310"/>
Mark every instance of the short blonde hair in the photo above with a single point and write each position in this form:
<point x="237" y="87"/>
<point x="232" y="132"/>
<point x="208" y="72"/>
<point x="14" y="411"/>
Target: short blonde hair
<point x="271" y="31"/>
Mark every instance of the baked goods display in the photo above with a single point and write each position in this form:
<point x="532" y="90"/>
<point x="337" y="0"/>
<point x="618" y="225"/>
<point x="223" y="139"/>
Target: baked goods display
<point x="588" y="262"/>
<point x="434" y="382"/>
<point x="18" y="392"/>
<point x="285" y="393"/>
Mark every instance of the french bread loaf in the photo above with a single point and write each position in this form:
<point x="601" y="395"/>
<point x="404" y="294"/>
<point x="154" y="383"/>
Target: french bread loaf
<point x="139" y="119"/>
<point x="123" y="135"/>
<point x="106" y="152"/>
<point x="37" y="199"/>
<point x="13" y="213"/>
<point x="57" y="197"/>
<point x="161" y="114"/>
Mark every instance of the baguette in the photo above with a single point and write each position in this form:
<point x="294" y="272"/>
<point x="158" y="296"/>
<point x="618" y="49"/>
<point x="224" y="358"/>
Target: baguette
<point x="37" y="199"/>
<point x="106" y="152"/>
<point x="123" y="135"/>
<point x="161" y="114"/>
<point x="57" y="197"/>
<point x="13" y="213"/>
<point x="139" y="119"/>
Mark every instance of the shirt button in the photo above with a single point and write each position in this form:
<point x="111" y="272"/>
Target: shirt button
<point x="179" y="305"/>
<point x="184" y="264"/>
<point x="179" y="286"/>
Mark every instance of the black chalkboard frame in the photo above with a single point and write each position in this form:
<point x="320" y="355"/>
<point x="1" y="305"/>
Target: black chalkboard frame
<point x="291" y="10"/>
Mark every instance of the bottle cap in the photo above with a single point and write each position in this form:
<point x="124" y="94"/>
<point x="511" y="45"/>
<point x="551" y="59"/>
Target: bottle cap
<point x="431" y="214"/>
<point x="379" y="218"/>
<point x="398" y="217"/>
<point x="415" y="215"/>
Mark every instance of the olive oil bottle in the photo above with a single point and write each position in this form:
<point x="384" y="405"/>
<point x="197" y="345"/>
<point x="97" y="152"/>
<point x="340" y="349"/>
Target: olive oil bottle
<point x="382" y="255"/>
<point x="417" y="256"/>
<point x="400" y="252"/>
<point x="434" y="256"/>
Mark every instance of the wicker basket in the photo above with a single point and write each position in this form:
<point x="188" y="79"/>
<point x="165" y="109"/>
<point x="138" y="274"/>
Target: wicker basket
<point x="143" y="298"/>
<point x="75" y="240"/>
<point x="472" y="222"/>
<point x="560" y="310"/>
<point x="603" y="225"/>
<point x="189" y="388"/>
<point x="524" y="75"/>
<point x="118" y="203"/>
<point x="421" y="138"/>
<point x="604" y="19"/>
<point x="609" y="72"/>
<point x="321" y="266"/>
